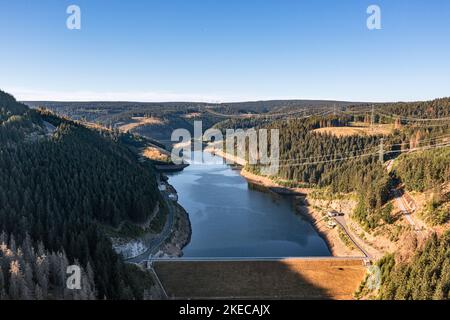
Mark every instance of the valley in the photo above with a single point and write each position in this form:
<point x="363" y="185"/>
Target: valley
<point x="212" y="159"/>
<point x="384" y="169"/>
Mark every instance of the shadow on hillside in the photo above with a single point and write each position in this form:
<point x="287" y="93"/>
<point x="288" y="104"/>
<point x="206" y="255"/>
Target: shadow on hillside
<point x="283" y="279"/>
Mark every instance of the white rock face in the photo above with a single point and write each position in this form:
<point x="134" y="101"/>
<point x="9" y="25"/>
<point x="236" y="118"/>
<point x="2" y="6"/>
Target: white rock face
<point x="131" y="249"/>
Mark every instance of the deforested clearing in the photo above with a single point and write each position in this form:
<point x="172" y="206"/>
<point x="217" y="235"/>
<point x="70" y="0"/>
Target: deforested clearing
<point x="357" y="129"/>
<point x="140" y="121"/>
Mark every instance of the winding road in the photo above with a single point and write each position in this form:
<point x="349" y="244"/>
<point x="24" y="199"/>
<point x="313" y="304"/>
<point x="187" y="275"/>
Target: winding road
<point x="402" y="204"/>
<point x="341" y="221"/>
<point x="156" y="242"/>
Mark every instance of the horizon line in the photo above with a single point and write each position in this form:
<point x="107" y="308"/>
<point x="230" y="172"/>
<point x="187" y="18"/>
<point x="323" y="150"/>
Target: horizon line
<point x="24" y="95"/>
<point x="227" y="102"/>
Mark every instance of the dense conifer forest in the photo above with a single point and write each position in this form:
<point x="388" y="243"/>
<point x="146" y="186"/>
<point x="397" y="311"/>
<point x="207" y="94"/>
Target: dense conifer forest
<point x="424" y="170"/>
<point x="60" y="185"/>
<point x="352" y="163"/>
<point x="425" y="277"/>
<point x="60" y="189"/>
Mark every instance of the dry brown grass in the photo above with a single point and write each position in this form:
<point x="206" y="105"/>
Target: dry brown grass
<point x="140" y="121"/>
<point x="192" y="115"/>
<point x="153" y="153"/>
<point x="285" y="279"/>
<point x="358" y="128"/>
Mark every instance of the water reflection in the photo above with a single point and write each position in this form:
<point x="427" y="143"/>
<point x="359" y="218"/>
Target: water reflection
<point x="232" y="219"/>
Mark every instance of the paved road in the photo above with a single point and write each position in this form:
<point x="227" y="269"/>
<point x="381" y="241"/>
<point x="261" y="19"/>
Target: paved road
<point x="401" y="201"/>
<point x="401" y="204"/>
<point x="156" y="242"/>
<point x="341" y="221"/>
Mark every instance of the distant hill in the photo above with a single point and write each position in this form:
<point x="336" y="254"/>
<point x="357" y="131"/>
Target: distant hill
<point x="174" y="115"/>
<point x="102" y="110"/>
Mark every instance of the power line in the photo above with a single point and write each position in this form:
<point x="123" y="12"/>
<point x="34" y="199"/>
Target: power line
<point x="369" y="154"/>
<point x="269" y="115"/>
<point x="393" y="116"/>
<point x="447" y="136"/>
<point x="362" y="150"/>
<point x="427" y="125"/>
<point x="328" y="155"/>
<point x="436" y="146"/>
<point x="375" y="149"/>
<point x="327" y="161"/>
<point x="357" y="112"/>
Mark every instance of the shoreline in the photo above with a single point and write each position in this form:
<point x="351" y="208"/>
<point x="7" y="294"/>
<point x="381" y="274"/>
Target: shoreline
<point x="304" y="208"/>
<point x="181" y="232"/>
<point x="137" y="250"/>
<point x="331" y="237"/>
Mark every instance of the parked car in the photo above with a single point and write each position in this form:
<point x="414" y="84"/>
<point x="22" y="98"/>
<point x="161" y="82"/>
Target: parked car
<point x="333" y="213"/>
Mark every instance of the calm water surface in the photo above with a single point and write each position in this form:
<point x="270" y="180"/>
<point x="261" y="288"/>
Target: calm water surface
<point x="230" y="219"/>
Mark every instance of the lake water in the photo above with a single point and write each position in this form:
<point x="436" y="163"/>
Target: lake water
<point x="231" y="219"/>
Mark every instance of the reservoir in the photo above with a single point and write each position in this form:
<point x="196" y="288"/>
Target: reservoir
<point x="229" y="218"/>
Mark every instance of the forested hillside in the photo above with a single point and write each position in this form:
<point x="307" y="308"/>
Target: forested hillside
<point x="61" y="188"/>
<point x="170" y="115"/>
<point x="9" y="106"/>
<point x="438" y="108"/>
<point x="424" y="170"/>
<point x="428" y="171"/>
<point x="351" y="163"/>
<point x="28" y="273"/>
<point x="174" y="115"/>
<point x="414" y="143"/>
<point x="425" y="277"/>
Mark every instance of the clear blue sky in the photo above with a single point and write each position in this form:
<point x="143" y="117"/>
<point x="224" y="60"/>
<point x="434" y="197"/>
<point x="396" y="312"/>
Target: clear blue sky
<point x="225" y="50"/>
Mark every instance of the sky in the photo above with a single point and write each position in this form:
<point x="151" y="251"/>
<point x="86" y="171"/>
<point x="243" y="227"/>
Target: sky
<point x="225" y="50"/>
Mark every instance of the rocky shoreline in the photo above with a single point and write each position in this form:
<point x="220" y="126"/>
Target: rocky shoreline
<point x="305" y="207"/>
<point x="308" y="208"/>
<point x="179" y="237"/>
<point x="330" y="236"/>
<point x="138" y="249"/>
